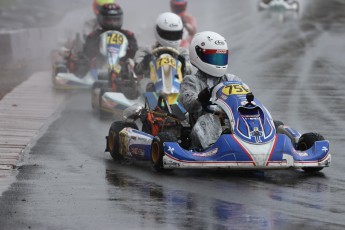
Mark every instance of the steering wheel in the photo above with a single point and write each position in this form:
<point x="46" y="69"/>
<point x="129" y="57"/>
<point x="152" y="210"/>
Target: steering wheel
<point x="169" y="50"/>
<point x="173" y="52"/>
<point x="209" y="106"/>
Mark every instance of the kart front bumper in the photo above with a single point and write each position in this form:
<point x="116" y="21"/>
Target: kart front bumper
<point x="229" y="153"/>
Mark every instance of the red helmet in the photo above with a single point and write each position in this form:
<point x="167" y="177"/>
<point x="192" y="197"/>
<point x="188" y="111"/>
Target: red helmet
<point x="178" y="6"/>
<point x="97" y="4"/>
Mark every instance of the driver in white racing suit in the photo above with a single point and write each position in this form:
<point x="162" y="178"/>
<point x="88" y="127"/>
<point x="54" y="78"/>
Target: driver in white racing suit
<point x="168" y="33"/>
<point x="209" y="54"/>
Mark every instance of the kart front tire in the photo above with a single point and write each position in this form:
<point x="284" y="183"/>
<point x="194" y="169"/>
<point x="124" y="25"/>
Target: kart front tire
<point x="114" y="138"/>
<point x="157" y="149"/>
<point x="306" y="141"/>
<point x="103" y="114"/>
<point x="97" y="86"/>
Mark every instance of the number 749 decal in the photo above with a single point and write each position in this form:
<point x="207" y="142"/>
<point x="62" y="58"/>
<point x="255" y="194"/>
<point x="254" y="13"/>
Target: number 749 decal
<point x="115" y="39"/>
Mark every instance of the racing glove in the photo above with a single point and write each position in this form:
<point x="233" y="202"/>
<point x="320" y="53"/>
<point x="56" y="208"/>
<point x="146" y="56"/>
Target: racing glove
<point x="204" y="96"/>
<point x="146" y="60"/>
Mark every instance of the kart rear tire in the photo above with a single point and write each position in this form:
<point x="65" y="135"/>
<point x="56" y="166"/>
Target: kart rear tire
<point x="114" y="138"/>
<point x="306" y="141"/>
<point x="61" y="69"/>
<point x="157" y="149"/>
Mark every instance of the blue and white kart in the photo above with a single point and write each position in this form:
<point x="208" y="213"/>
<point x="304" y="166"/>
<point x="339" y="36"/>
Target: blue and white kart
<point x="248" y="139"/>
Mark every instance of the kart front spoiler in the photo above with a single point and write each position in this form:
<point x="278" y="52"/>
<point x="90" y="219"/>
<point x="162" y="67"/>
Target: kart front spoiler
<point x="114" y="102"/>
<point x="229" y="153"/>
<point x="69" y="81"/>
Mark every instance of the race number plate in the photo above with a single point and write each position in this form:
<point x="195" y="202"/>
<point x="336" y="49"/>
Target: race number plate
<point x="115" y="39"/>
<point x="166" y="61"/>
<point x="235" y="89"/>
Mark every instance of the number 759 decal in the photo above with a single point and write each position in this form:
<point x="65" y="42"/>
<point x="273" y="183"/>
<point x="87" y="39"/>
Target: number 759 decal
<point x="235" y="89"/>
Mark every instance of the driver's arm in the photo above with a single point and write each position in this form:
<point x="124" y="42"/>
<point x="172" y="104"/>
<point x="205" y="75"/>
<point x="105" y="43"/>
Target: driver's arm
<point x="187" y="66"/>
<point x="142" y="59"/>
<point x="90" y="48"/>
<point x="132" y="45"/>
<point x="189" y="91"/>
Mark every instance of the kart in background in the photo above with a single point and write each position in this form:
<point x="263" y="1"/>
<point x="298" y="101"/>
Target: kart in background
<point x="117" y="85"/>
<point x="71" y="69"/>
<point x="166" y="73"/>
<point x="165" y="76"/>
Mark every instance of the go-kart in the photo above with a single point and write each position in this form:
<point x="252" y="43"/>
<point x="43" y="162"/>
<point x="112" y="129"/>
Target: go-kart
<point x="167" y="69"/>
<point x="278" y="5"/>
<point x="165" y="76"/>
<point x="72" y="69"/>
<point x="248" y="138"/>
<point x="117" y="85"/>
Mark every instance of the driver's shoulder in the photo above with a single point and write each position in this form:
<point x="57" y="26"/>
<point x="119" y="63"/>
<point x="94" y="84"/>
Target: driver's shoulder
<point x="189" y="18"/>
<point x="128" y="33"/>
<point x="231" y="77"/>
<point x="95" y="33"/>
<point x="190" y="79"/>
<point x="183" y="52"/>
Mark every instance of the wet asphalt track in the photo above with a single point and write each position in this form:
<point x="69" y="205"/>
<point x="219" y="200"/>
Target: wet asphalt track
<point x="293" y="63"/>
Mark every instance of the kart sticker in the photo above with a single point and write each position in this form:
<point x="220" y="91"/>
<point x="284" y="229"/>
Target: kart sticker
<point x="207" y="154"/>
<point x="115" y="39"/>
<point x="116" y="67"/>
<point x="171" y="150"/>
<point x="302" y="154"/>
<point x="257" y="134"/>
<point x="174" y="164"/>
<point x="124" y="142"/>
<point x="166" y="61"/>
<point x="136" y="152"/>
<point x="235" y="89"/>
<point x="113" y="49"/>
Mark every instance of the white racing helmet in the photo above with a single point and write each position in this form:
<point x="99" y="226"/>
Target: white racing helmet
<point x="209" y="53"/>
<point x="169" y="30"/>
